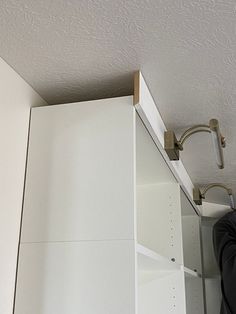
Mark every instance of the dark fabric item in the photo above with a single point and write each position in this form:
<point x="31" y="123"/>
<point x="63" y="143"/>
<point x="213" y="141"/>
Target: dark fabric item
<point x="224" y="241"/>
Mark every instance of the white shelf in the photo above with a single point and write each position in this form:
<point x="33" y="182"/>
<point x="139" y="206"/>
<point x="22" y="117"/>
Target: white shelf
<point x="149" y="260"/>
<point x="153" y="264"/>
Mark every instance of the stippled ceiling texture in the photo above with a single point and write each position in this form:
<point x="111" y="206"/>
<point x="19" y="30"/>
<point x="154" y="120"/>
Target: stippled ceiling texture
<point x="71" y="50"/>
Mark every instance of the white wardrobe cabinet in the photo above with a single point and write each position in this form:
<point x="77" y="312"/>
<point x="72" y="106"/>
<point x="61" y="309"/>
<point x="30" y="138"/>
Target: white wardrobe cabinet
<point x="108" y="227"/>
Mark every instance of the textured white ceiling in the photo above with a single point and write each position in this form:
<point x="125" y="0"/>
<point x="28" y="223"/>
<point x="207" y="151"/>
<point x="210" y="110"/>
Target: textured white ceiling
<point x="71" y="50"/>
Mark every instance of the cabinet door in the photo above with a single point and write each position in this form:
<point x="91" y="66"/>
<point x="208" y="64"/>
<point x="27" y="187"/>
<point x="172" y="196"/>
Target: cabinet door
<point x="85" y="277"/>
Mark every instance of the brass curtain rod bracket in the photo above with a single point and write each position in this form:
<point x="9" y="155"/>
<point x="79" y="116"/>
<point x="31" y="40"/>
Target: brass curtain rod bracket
<point x="173" y="146"/>
<point x="199" y="195"/>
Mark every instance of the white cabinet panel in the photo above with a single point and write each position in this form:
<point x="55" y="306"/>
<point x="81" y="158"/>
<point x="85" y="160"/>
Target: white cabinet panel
<point x="90" y="277"/>
<point x="191" y="243"/>
<point x="80" y="174"/>
<point x="164" y="295"/>
<point x="213" y="295"/>
<point x="211" y="271"/>
<point x="194" y="295"/>
<point x="211" y="268"/>
<point x="159" y="219"/>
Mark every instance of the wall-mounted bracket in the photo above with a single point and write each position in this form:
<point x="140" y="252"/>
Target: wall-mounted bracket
<point x="172" y="146"/>
<point x="199" y="195"/>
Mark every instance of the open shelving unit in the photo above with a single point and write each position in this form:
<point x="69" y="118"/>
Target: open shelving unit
<point x="168" y="234"/>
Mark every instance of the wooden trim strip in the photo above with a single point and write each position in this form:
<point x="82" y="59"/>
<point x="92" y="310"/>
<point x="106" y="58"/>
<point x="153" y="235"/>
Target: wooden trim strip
<point x="136" y="87"/>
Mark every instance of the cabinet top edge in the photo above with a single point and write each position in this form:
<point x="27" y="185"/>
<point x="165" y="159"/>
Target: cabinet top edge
<point x="127" y="97"/>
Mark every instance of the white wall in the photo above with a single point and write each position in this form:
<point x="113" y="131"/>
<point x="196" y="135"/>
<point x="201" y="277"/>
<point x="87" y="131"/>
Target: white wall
<point x="16" y="98"/>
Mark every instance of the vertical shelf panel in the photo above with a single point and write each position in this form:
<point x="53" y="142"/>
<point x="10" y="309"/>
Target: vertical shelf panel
<point x="83" y="277"/>
<point x="159" y="219"/>
<point x="192" y="257"/>
<point x="191" y="235"/>
<point x="213" y="295"/>
<point x="211" y="271"/>
<point x="194" y="295"/>
<point x="164" y="295"/>
<point x="191" y="243"/>
<point x="209" y="261"/>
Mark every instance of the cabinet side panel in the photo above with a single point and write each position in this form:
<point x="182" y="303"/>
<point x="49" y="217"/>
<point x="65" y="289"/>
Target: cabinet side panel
<point x="164" y="295"/>
<point x="191" y="243"/>
<point x="209" y="261"/>
<point x="80" y="175"/>
<point x="81" y="277"/>
<point x="16" y="99"/>
<point x="213" y="295"/>
<point x="194" y="295"/>
<point x="159" y="219"/>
